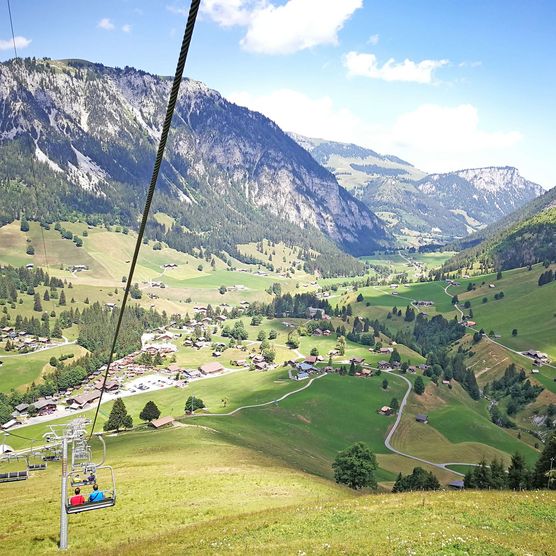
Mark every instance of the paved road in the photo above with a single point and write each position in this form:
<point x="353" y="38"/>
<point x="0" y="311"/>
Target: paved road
<point x="237" y="410"/>
<point x="388" y="440"/>
<point x="494" y="341"/>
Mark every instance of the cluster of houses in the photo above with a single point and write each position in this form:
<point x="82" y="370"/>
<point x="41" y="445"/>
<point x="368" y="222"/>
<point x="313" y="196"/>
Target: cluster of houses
<point x="390" y="366"/>
<point x="538" y="357"/>
<point x="22" y="341"/>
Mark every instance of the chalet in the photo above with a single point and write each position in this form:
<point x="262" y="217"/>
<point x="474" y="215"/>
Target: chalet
<point x="21" y="408"/>
<point x="305" y="367"/>
<point x="412" y="369"/>
<point x="469" y="323"/>
<point x="110" y="306"/>
<point x="386" y="410"/>
<point x="420" y="418"/>
<point x="216" y="353"/>
<point x="257" y="358"/>
<point x="9" y="424"/>
<point x="174" y="368"/>
<point x="537" y="355"/>
<point x="424" y="367"/>
<point x="221" y="318"/>
<point x="110" y="386"/>
<point x="533" y="371"/>
<point x="301" y="375"/>
<point x="326" y="332"/>
<point x="365" y="372"/>
<point x="240" y="363"/>
<point x="261" y="366"/>
<point x="78" y="268"/>
<point x="45" y="407"/>
<point x="193" y="373"/>
<point x="311" y="360"/>
<point x="317" y="332"/>
<point x="211" y="368"/>
<point x="384" y="350"/>
<point x="7" y="329"/>
<point x="446" y="382"/>
<point x="422" y="303"/>
<point x="29" y="266"/>
<point x="395" y="293"/>
<point x="383" y="365"/>
<point x="491" y="285"/>
<point x="188" y="343"/>
<point x="84" y="399"/>
<point x="170" y="265"/>
<point x="162" y="422"/>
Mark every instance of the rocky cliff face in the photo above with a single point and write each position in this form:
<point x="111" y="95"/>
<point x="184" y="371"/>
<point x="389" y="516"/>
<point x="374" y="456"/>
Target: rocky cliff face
<point x="427" y="208"/>
<point x="97" y="128"/>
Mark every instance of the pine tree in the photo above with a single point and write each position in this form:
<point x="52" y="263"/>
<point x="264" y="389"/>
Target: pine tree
<point x="62" y="300"/>
<point x="149" y="412"/>
<point x="419" y="386"/>
<point x="37" y="305"/>
<point x="119" y="418"/>
<point x="518" y="474"/>
<point x="546" y="463"/>
<point x="46" y="296"/>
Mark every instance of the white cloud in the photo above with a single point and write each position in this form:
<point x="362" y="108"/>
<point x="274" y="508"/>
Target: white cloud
<point x="374" y="39"/>
<point x="106" y="24"/>
<point x="281" y="29"/>
<point x="126" y="28"/>
<point x="366" y="65"/>
<point x="295" y="111"/>
<point x="448" y="137"/>
<point x="435" y="138"/>
<point x="20" y="42"/>
<point x="177" y="10"/>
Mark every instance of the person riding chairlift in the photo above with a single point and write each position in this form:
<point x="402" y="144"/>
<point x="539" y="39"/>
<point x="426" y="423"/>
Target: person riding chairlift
<point x="78" y="499"/>
<point x="97" y="495"/>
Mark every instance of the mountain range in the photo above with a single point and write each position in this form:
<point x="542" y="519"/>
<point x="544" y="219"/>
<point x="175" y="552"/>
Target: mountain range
<point x="230" y="175"/>
<point x="421" y="207"/>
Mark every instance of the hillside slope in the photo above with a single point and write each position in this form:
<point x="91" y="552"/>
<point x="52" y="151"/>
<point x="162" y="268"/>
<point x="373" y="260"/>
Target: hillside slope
<point x="524" y="237"/>
<point x="229" y="173"/>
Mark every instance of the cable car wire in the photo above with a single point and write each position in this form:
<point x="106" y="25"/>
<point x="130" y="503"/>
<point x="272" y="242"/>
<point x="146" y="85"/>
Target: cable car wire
<point x="12" y="27"/>
<point x="186" y="42"/>
<point x="31" y="140"/>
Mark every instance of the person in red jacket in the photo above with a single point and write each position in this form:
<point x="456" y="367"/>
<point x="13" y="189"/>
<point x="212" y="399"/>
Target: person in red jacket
<point x="78" y="499"/>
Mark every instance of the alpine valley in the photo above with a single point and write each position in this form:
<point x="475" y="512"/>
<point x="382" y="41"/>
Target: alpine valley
<point x="325" y="350"/>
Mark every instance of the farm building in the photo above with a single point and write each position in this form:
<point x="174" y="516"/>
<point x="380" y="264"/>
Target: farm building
<point x="162" y="422"/>
<point x="211" y="368"/>
<point x="420" y="418"/>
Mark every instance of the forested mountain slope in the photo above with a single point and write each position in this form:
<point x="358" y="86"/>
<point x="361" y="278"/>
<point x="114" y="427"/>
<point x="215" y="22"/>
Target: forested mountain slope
<point x="230" y="175"/>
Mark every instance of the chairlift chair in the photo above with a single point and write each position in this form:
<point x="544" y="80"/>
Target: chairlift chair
<point x="19" y="475"/>
<point x="109" y="495"/>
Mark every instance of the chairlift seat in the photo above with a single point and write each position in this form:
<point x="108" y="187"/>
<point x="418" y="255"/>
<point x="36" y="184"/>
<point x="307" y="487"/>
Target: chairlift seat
<point x="108" y="502"/>
<point x="13" y="476"/>
<point x="37" y="466"/>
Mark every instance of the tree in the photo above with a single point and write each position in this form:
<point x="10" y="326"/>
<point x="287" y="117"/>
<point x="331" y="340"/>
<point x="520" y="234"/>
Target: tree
<point x="293" y="339"/>
<point x="53" y="362"/>
<point x="545" y="463"/>
<point x="149" y="412"/>
<point x="46" y="296"/>
<point x="62" y="300"/>
<point x="514" y="332"/>
<point x="24" y="226"/>
<point x="341" y="345"/>
<point x="419" y="385"/>
<point x="355" y="467"/>
<point x="272" y="335"/>
<point x="135" y="292"/>
<point x="395" y="404"/>
<point x="261" y="335"/>
<point x="119" y="418"/>
<point x="360" y="298"/>
<point x="385" y="384"/>
<point x="37" y="306"/>
<point x="30" y="250"/>
<point x="193" y="403"/>
<point x="314" y="351"/>
<point x="395" y="356"/>
<point x="418" y="480"/>
<point x="455" y="300"/>
<point x="222" y="289"/>
<point x="518" y="474"/>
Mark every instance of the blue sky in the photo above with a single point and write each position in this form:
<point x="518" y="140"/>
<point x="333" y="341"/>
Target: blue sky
<point x="444" y="84"/>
